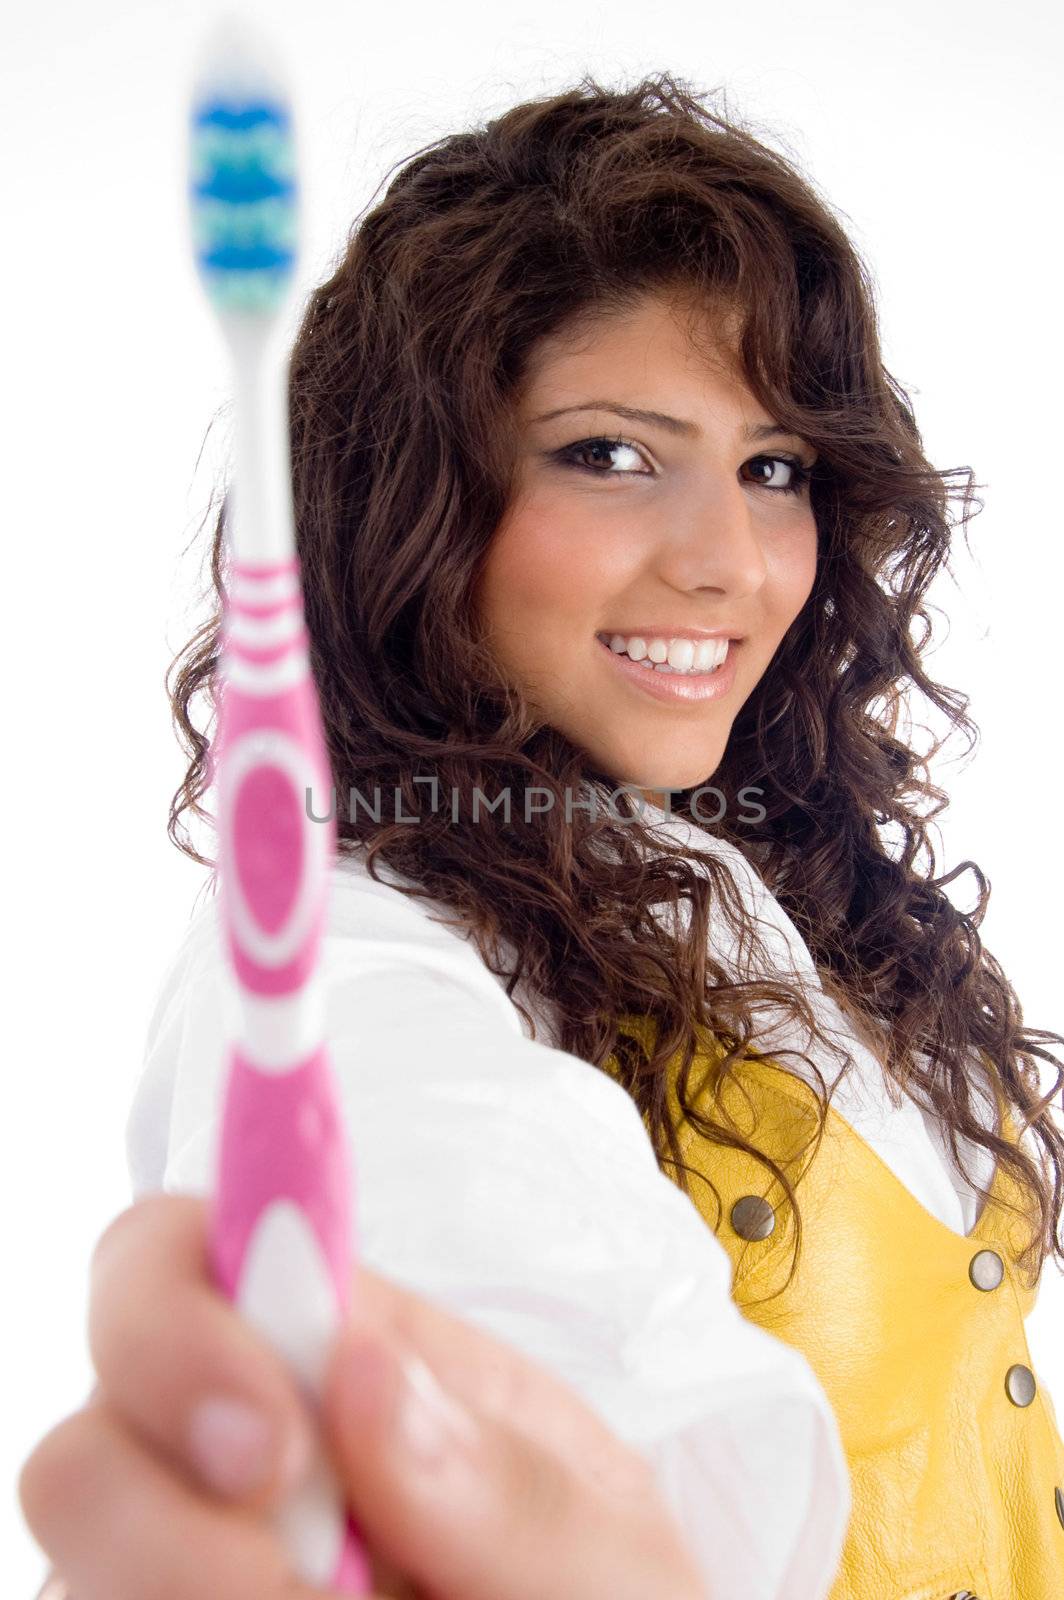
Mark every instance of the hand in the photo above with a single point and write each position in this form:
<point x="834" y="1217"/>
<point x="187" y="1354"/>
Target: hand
<point x="473" y="1473"/>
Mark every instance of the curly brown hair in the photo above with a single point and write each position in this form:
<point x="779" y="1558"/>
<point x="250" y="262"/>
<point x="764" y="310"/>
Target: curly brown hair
<point x="402" y="392"/>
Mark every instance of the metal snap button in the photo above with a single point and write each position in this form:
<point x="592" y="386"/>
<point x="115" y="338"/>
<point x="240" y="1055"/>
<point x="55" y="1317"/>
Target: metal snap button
<point x="1058" y="1501"/>
<point x="986" y="1269"/>
<point x="752" y="1217"/>
<point x="1020" y="1385"/>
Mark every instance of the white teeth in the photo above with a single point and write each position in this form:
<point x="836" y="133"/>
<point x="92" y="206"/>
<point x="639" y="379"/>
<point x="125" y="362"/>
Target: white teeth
<point x="675" y="655"/>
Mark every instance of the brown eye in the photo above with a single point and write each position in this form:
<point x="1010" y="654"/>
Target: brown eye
<point x="593" y="455"/>
<point x="795" y="478"/>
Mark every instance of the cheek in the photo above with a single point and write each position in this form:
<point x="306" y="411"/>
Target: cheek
<point x="794" y="569"/>
<point x="547" y="565"/>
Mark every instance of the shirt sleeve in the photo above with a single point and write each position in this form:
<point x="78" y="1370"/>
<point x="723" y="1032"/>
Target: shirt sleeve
<point x="515" y="1185"/>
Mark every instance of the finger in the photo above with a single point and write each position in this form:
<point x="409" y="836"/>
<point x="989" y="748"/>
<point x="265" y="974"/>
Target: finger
<point x="118" y="1525"/>
<point x="476" y="1509"/>
<point x="182" y="1367"/>
<point x="164" y="1339"/>
<point x="491" y="1377"/>
<point x="53" y="1588"/>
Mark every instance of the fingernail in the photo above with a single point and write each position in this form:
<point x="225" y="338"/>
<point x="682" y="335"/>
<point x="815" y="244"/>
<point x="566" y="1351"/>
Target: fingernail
<point x="385" y="1386"/>
<point x="430" y="1425"/>
<point x="232" y="1445"/>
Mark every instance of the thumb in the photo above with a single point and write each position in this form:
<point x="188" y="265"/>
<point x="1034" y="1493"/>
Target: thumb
<point x="408" y="1454"/>
<point x="472" y="1508"/>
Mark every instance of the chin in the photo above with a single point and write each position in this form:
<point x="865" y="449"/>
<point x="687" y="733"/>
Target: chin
<point x="648" y="764"/>
<point x="671" y="777"/>
<point x="672" y="768"/>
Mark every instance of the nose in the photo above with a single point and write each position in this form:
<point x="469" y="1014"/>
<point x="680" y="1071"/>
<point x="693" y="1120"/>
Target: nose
<point x="712" y="542"/>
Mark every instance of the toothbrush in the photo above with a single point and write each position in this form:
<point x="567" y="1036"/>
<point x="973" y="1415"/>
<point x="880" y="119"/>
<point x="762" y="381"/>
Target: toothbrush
<point x="281" y="1235"/>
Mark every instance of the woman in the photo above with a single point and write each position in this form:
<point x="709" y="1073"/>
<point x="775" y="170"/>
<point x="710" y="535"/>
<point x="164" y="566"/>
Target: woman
<point x="591" y="388"/>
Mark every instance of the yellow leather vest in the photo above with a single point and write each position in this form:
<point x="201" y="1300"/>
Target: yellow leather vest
<point x="915" y="1333"/>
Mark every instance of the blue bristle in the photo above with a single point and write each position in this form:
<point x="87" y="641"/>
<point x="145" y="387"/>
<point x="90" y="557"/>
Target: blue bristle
<point x="243" y="196"/>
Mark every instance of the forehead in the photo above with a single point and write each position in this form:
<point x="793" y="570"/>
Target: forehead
<point x="658" y="337"/>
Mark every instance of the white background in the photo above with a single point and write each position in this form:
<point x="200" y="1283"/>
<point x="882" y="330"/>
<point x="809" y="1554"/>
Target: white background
<point x="932" y="128"/>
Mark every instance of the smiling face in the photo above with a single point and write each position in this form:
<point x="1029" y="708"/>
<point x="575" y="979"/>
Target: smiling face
<point x="629" y="529"/>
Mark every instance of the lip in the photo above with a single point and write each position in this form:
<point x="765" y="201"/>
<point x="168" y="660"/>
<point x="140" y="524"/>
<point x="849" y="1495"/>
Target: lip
<point x="649" y="632"/>
<point x="676" y="688"/>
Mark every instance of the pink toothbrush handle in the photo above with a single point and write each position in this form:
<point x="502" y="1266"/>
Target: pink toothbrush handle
<point x="281" y="1234"/>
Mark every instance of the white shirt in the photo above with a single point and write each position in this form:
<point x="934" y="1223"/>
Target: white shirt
<point x="515" y="1184"/>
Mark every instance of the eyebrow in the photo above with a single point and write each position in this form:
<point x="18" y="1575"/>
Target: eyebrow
<point x="661" y="419"/>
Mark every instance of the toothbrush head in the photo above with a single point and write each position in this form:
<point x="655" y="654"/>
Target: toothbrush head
<point x="243" y="195"/>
